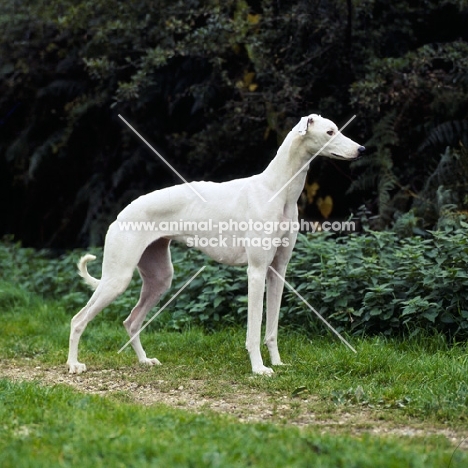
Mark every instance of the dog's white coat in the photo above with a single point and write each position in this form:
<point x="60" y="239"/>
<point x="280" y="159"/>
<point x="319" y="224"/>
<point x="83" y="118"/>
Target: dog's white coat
<point x="236" y="200"/>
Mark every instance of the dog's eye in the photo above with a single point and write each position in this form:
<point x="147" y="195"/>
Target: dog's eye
<point x="330" y="132"/>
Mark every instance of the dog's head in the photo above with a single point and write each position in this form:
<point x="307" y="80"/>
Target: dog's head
<point x="322" y="136"/>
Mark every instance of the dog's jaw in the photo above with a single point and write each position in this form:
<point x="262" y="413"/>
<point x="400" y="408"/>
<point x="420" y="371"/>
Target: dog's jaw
<point x="340" y="157"/>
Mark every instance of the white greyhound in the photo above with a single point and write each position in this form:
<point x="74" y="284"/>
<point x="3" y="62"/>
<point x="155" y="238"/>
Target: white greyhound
<point x="270" y="197"/>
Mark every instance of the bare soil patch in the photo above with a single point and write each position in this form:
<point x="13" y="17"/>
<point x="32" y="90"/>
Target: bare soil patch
<point x="247" y="405"/>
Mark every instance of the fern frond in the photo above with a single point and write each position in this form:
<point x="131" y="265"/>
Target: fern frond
<point x="364" y="183"/>
<point x="384" y="133"/>
<point x="445" y="189"/>
<point x="450" y="133"/>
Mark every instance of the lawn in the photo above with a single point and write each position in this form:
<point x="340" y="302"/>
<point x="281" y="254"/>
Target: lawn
<point x="395" y="403"/>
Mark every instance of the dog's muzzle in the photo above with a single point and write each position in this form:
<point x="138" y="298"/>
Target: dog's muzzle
<point x="360" y="150"/>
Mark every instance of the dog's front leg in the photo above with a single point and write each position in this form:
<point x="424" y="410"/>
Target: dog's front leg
<point x="256" y="290"/>
<point x="274" y="292"/>
<point x="275" y="285"/>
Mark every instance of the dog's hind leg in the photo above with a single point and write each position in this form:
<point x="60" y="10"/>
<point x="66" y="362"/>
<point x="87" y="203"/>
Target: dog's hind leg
<point x="156" y="271"/>
<point x="108" y="289"/>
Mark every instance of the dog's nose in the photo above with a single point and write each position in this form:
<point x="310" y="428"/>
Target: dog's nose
<point x="361" y="149"/>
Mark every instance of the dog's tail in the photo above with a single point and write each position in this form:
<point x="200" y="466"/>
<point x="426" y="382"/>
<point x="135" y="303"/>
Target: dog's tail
<point x="83" y="271"/>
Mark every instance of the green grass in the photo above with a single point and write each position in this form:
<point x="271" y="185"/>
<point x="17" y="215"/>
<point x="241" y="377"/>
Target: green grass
<point x="419" y="383"/>
<point x="58" y="427"/>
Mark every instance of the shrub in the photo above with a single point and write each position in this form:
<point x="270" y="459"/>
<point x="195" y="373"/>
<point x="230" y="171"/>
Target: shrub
<point x="362" y="284"/>
<point x="380" y="283"/>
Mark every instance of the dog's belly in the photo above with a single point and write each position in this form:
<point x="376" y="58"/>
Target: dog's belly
<point x="222" y="249"/>
<point x="235" y="256"/>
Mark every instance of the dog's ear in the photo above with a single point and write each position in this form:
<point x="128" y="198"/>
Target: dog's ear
<point x="304" y="124"/>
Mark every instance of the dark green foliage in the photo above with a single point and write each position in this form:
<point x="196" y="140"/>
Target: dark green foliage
<point x="419" y="105"/>
<point x="215" y="86"/>
<point x="372" y="283"/>
<point x="382" y="283"/>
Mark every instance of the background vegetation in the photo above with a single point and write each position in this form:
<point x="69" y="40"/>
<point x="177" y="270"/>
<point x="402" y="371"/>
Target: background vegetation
<point x="374" y="283"/>
<point x="215" y="86"/>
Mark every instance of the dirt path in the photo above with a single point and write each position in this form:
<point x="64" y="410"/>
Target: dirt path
<point x="246" y="405"/>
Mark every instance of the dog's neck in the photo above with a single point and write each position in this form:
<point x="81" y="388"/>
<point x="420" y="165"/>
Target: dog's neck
<point x="291" y="157"/>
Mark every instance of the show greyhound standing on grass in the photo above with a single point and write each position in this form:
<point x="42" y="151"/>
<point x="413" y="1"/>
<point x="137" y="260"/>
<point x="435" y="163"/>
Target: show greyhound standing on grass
<point x="267" y="197"/>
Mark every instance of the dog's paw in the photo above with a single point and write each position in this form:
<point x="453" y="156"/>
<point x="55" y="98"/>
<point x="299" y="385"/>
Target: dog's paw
<point x="76" y="368"/>
<point x="150" y="362"/>
<point x="263" y="370"/>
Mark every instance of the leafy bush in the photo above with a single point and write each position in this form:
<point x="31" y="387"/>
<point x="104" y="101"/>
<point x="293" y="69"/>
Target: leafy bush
<point x="372" y="283"/>
<point x="381" y="283"/>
